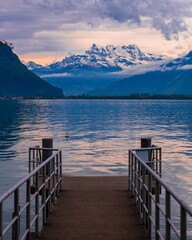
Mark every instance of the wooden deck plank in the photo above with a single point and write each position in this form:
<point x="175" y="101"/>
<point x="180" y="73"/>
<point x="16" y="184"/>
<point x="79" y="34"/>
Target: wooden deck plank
<point x="94" y="208"/>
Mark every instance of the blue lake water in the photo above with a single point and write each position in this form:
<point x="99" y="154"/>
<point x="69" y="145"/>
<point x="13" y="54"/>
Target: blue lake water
<point x="101" y="132"/>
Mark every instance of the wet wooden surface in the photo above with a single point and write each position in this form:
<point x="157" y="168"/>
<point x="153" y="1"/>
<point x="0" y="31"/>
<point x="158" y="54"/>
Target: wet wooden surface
<point x="94" y="208"/>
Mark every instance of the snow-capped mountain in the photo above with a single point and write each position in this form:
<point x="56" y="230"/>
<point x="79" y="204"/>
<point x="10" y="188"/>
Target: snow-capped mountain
<point x="183" y="63"/>
<point x="79" y="74"/>
<point x="121" y="56"/>
<point x="32" y="65"/>
<point x="174" y="77"/>
<point x="108" y="59"/>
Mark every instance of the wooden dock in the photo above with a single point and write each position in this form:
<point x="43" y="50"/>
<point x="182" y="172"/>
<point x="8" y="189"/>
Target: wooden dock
<point x="94" y="208"/>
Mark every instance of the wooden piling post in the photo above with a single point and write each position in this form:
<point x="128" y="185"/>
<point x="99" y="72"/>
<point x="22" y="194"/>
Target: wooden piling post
<point x="145" y="142"/>
<point x="47" y="143"/>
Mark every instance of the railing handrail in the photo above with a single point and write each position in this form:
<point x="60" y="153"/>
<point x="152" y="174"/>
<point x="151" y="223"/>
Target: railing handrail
<point x="48" y="149"/>
<point x="29" y="175"/>
<point x="185" y="205"/>
<point x="146" y="148"/>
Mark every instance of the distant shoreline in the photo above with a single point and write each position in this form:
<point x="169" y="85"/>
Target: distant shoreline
<point x="130" y="97"/>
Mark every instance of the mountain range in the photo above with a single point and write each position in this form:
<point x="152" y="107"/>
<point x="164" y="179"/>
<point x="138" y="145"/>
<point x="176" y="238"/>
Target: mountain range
<point x="97" y="68"/>
<point x="17" y="81"/>
<point x="98" y="58"/>
<point x="174" y="77"/>
<point x="101" y="71"/>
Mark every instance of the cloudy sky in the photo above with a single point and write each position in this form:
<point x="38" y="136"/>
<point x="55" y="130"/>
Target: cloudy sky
<point x="48" y="30"/>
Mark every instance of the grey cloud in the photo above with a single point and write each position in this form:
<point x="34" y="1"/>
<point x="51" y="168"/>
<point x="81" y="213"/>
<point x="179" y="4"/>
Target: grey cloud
<point x="57" y="6"/>
<point x="166" y="15"/>
<point x="169" y="27"/>
<point x="34" y="23"/>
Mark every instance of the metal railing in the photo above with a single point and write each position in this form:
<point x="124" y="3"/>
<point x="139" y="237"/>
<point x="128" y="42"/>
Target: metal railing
<point x="157" y="203"/>
<point x="33" y="197"/>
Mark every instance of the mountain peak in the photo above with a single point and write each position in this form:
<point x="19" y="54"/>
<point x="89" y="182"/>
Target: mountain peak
<point x="131" y="46"/>
<point x="31" y="65"/>
<point x="184" y="63"/>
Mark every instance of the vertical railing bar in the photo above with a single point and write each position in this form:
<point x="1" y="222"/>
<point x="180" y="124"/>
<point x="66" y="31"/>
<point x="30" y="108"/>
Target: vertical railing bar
<point x="152" y="159"/>
<point x="168" y="214"/>
<point x="135" y="179"/>
<point x="33" y="159"/>
<point x="156" y="161"/>
<point x="1" y="221"/>
<point x="160" y="164"/>
<point x="132" y="174"/>
<point x="53" y="182"/>
<point x="29" y="160"/>
<point x="37" y="204"/>
<point x="13" y="227"/>
<point x="60" y="154"/>
<point x="44" y="195"/>
<point x="16" y="213"/>
<point x="157" y="212"/>
<point x="36" y="158"/>
<point x="183" y="224"/>
<point x="57" y="174"/>
<point x="33" y="167"/>
<point x="28" y="210"/>
<point x="129" y="170"/>
<point x="143" y="194"/>
<point x="49" y="188"/>
<point x="149" y="204"/>
<point x="139" y="187"/>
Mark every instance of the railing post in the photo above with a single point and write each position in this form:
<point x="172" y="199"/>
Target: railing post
<point x="57" y="175"/>
<point x="139" y="186"/>
<point x="44" y="196"/>
<point x="144" y="199"/>
<point x="29" y="160"/>
<point x="149" y="204"/>
<point x="157" y="212"/>
<point x="60" y="161"/>
<point x="129" y="170"/>
<point x="135" y="179"/>
<point x="132" y="174"/>
<point x="1" y="221"/>
<point x="168" y="214"/>
<point x="37" y="204"/>
<point x="160" y="165"/>
<point x="183" y="223"/>
<point x="53" y="181"/>
<point x="49" y="189"/>
<point x="16" y="214"/>
<point x="28" y="210"/>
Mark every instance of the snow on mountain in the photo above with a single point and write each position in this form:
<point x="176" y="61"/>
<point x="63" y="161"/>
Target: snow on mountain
<point x="183" y="63"/>
<point x="32" y="65"/>
<point x="122" y="56"/>
<point x="99" y="58"/>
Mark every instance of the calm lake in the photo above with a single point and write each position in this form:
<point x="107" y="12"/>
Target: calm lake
<point x="101" y="132"/>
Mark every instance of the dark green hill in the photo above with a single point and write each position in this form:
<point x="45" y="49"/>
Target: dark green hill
<point x="157" y="82"/>
<point x="16" y="80"/>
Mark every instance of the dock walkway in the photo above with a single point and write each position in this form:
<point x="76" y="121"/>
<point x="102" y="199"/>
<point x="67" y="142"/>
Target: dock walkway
<point x="94" y="208"/>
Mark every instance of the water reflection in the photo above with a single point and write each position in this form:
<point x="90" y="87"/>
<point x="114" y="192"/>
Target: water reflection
<point x="100" y="133"/>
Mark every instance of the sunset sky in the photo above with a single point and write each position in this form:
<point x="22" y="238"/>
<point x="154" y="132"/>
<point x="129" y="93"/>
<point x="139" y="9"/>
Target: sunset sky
<point x="48" y="30"/>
